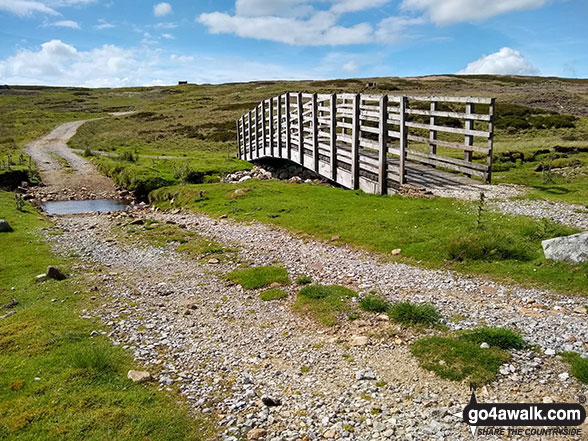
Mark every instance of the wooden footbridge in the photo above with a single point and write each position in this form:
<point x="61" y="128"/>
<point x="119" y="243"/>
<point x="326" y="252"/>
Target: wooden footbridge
<point x="376" y="143"/>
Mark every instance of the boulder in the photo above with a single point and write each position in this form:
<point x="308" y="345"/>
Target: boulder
<point x="54" y="273"/>
<point x="256" y="434"/>
<point x="139" y="376"/>
<point x="359" y="340"/>
<point x="572" y="249"/>
<point x="5" y="226"/>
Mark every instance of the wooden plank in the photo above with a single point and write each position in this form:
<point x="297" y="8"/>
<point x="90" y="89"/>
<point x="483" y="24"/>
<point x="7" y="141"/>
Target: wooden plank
<point x="315" y="140"/>
<point x="271" y="126"/>
<point x="333" y="137"/>
<point x="453" y="145"/>
<point x="279" y="122"/>
<point x="445" y="129"/>
<point x="263" y="129"/>
<point x="447" y="159"/>
<point x="451" y="99"/>
<point x="459" y="115"/>
<point x="374" y="130"/>
<point x="243" y="136"/>
<point x="355" y="132"/>
<point x="403" y="140"/>
<point x="383" y="138"/>
<point x="288" y="140"/>
<point x="300" y="129"/>
<point x="469" y="139"/>
<point x="490" y="142"/>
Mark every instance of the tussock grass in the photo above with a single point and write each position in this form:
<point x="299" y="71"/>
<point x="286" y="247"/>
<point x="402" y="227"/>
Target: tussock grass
<point x="498" y="337"/>
<point x="259" y="277"/>
<point x="578" y="366"/>
<point x="324" y="303"/>
<point x="304" y="280"/>
<point x="273" y="294"/>
<point x="457" y="359"/>
<point x="374" y="304"/>
<point x="414" y="314"/>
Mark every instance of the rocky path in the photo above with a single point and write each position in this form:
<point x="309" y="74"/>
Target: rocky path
<point x="65" y="174"/>
<point x="225" y="349"/>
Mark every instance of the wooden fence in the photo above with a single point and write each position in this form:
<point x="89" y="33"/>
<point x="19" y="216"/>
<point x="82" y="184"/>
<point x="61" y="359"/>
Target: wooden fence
<point x="371" y="141"/>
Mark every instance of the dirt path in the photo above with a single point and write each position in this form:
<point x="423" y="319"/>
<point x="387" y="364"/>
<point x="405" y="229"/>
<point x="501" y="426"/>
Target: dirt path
<point x="65" y="174"/>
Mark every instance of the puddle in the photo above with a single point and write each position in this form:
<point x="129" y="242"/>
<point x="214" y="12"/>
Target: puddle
<point x="79" y="207"/>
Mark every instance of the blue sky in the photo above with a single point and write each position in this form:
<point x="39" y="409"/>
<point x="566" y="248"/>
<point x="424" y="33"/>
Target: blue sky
<point x="124" y="43"/>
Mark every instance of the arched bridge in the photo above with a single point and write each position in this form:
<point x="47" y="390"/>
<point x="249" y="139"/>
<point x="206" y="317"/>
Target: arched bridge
<point x="375" y="142"/>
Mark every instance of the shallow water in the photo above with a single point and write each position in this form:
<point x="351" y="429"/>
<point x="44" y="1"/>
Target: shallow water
<point x="78" y="207"/>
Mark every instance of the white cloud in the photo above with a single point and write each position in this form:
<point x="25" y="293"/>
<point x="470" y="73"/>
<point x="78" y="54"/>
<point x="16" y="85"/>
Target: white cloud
<point x="320" y="29"/>
<point x="506" y="61"/>
<point x="166" y="25"/>
<point x="61" y="64"/>
<point x="343" y="6"/>
<point x="103" y="24"/>
<point x="395" y="29"/>
<point x="168" y="36"/>
<point x="162" y="9"/>
<point x="66" y="24"/>
<point x="445" y="12"/>
<point x="25" y="8"/>
<point x="350" y="66"/>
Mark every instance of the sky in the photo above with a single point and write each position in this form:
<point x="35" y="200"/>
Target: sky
<point x="116" y="43"/>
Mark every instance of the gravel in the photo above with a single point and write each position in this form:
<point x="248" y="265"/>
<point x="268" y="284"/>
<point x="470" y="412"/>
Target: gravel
<point x="226" y="350"/>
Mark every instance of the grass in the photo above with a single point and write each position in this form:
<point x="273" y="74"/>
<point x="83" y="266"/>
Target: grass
<point x="414" y="314"/>
<point x="459" y="360"/>
<point x="57" y="382"/>
<point x="374" y="304"/>
<point x="273" y="294"/>
<point x="304" y="280"/>
<point x="427" y="230"/>
<point x="324" y="302"/>
<point x="498" y="337"/>
<point x="259" y="277"/>
<point x="578" y="366"/>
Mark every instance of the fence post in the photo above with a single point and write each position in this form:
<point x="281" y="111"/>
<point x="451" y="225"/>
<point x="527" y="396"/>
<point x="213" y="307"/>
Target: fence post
<point x="315" y="141"/>
<point x="271" y="127"/>
<point x="469" y="139"/>
<point x="249" y="154"/>
<point x="383" y="174"/>
<point x="333" y="134"/>
<point x="355" y="143"/>
<point x="433" y="133"/>
<point x="263" y="128"/>
<point x="288" y="140"/>
<point x="490" y="141"/>
<point x="300" y="129"/>
<point x="279" y="126"/>
<point x="403" y="139"/>
<point x="239" y="138"/>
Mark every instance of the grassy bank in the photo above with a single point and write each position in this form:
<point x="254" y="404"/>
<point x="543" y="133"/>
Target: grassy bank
<point x="56" y="380"/>
<point x="437" y="233"/>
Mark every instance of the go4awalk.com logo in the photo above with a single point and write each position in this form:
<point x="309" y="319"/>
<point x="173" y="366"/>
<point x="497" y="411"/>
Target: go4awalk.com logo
<point x="521" y="419"/>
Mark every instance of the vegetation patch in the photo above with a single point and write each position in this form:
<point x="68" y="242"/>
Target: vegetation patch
<point x="56" y="381"/>
<point x="498" y="337"/>
<point x="374" y="304"/>
<point x="488" y="246"/>
<point x="414" y="314"/>
<point x="578" y="366"/>
<point x="273" y="294"/>
<point x="457" y="359"/>
<point x="259" y="277"/>
<point x="324" y="302"/>
<point x="304" y="280"/>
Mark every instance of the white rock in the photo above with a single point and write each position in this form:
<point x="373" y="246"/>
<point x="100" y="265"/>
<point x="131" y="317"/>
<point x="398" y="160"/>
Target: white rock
<point x="485" y="345"/>
<point x="572" y="249"/>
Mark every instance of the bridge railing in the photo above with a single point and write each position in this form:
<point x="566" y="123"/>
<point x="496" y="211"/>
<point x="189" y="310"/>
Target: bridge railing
<point x="365" y="141"/>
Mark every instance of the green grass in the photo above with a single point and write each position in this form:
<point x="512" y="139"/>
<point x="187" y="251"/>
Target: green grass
<point x="423" y="228"/>
<point x="324" y="303"/>
<point x="374" y="304"/>
<point x="459" y="360"/>
<point x="498" y="337"/>
<point x="578" y="366"/>
<point x="273" y="294"/>
<point x="304" y="280"/>
<point x="414" y="314"/>
<point x="82" y="391"/>
<point x="259" y="277"/>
